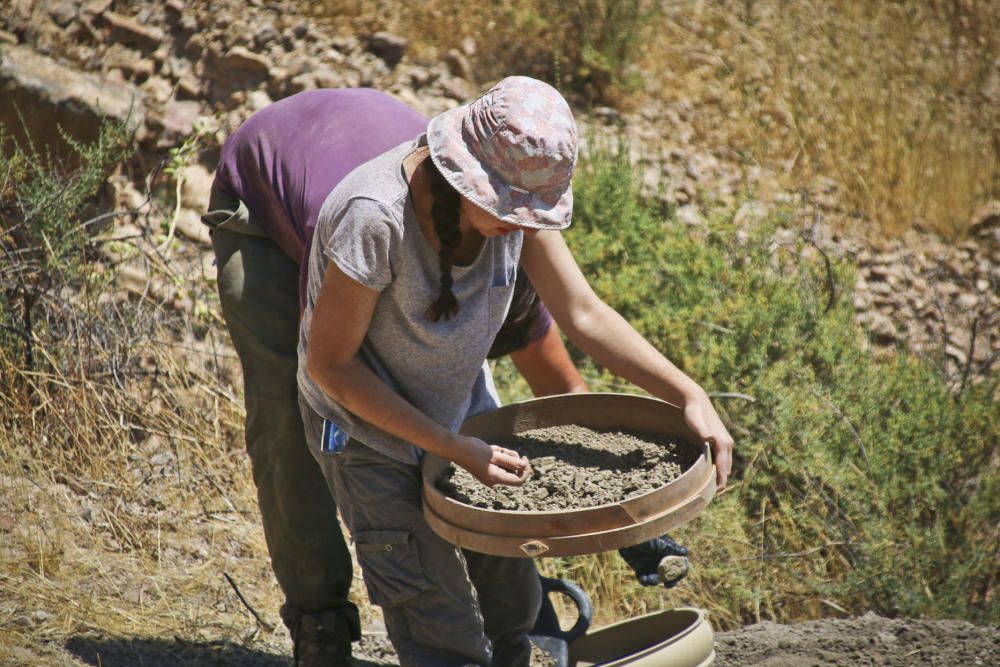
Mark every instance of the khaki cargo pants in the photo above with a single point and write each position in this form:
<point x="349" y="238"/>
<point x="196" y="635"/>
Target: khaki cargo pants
<point x="443" y="606"/>
<point x="258" y="289"/>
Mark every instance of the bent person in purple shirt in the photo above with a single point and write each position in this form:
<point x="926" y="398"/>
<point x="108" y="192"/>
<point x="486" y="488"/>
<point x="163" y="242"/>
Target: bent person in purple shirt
<point x="274" y="174"/>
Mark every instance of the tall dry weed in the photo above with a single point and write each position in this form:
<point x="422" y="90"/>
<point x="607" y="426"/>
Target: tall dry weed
<point x="897" y="103"/>
<point x="892" y="107"/>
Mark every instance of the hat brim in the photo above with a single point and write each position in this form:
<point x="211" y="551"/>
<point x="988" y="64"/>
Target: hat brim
<point x="472" y="180"/>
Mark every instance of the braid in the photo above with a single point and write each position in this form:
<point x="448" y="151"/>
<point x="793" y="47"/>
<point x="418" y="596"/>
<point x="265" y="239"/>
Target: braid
<point x="444" y="212"/>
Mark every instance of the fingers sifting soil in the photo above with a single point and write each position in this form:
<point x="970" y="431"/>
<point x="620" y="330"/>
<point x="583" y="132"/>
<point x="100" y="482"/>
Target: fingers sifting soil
<point x="576" y="467"/>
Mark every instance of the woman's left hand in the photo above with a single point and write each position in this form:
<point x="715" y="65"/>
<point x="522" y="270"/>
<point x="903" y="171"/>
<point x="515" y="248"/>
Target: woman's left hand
<point x="702" y="418"/>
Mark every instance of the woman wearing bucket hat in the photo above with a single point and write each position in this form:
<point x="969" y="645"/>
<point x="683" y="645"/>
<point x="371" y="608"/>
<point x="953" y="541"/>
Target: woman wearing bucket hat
<point x="411" y="273"/>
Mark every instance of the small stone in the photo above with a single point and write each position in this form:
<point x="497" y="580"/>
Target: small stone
<point x="882" y="328"/>
<point x="955" y="353"/>
<point x="95" y="7"/>
<point x="241" y="60"/>
<point x="189" y="88"/>
<point x="458" y="64"/>
<point x="388" y="46"/>
<point x="196" y="186"/>
<point x="750" y="212"/>
<point x="258" y="99"/>
<point x="324" y="77"/>
<point x="39" y="616"/>
<point x="190" y="226"/>
<point x="265" y="35"/>
<point x="421" y="76"/>
<point x="672" y="568"/>
<point x="607" y="114"/>
<point x="299" y="83"/>
<point x="690" y="216"/>
<point x="62" y="13"/>
<point x="174" y="11"/>
<point x="131" y="32"/>
<point x="967" y="301"/>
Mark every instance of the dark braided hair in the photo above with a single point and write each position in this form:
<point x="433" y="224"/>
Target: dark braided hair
<point x="444" y="213"/>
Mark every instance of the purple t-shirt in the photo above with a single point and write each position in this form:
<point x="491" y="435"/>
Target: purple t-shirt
<point x="287" y="157"/>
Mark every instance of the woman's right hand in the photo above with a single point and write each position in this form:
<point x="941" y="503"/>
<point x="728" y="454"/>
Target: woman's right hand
<point x="492" y="464"/>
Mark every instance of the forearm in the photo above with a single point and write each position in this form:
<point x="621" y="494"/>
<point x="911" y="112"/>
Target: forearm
<point x="546" y="366"/>
<point x="354" y="386"/>
<point x="609" y="339"/>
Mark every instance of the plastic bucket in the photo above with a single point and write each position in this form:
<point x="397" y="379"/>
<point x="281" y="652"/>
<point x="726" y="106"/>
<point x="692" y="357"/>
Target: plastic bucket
<point x="679" y="637"/>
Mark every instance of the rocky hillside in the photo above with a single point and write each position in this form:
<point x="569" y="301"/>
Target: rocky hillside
<point x="186" y="73"/>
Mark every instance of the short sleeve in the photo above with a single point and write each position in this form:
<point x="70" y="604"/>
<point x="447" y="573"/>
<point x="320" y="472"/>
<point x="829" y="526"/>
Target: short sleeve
<point x="362" y="242"/>
<point x="542" y="324"/>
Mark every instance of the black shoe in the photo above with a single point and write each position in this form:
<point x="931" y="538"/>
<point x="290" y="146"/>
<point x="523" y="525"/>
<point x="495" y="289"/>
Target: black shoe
<point x="322" y="640"/>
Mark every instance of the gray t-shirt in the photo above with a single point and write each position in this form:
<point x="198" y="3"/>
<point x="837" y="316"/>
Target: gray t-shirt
<point x="368" y="227"/>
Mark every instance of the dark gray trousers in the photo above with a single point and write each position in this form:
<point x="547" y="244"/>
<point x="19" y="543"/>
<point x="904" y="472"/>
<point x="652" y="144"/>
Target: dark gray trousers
<point x="258" y="290"/>
<point x="443" y="606"/>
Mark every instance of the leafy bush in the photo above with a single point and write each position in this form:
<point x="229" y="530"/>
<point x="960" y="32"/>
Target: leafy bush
<point x="42" y="239"/>
<point x="858" y="485"/>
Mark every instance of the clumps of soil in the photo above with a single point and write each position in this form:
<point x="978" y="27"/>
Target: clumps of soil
<point x="374" y="650"/>
<point x="577" y="467"/>
<point x="541" y="658"/>
<point x="672" y="568"/>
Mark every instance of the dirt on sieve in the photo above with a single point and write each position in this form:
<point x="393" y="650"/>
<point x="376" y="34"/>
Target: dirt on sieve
<point x="576" y="467"/>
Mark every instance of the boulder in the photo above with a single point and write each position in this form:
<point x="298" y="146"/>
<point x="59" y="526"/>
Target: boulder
<point x="238" y="69"/>
<point x="179" y="117"/>
<point x="50" y="96"/>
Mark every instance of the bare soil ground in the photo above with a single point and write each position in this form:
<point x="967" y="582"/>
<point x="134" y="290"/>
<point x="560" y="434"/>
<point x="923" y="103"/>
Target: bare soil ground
<point x="576" y="467"/>
<point x="869" y="640"/>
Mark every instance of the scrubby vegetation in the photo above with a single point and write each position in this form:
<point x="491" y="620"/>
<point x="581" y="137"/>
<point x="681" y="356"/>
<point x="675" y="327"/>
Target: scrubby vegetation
<point x="121" y="455"/>
<point x="859" y="485"/>
<point x="43" y="238"/>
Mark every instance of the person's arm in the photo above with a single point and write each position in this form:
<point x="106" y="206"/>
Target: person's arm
<point x="604" y="335"/>
<point x="546" y="366"/>
<point x="339" y="323"/>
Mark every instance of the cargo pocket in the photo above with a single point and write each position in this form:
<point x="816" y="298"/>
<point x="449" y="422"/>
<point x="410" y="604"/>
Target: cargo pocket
<point x="390" y="566"/>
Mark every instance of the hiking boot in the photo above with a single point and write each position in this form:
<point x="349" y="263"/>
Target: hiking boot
<point x="322" y="640"/>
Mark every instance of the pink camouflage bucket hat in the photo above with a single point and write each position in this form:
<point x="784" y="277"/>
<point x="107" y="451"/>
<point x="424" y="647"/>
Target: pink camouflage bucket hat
<point x="511" y="152"/>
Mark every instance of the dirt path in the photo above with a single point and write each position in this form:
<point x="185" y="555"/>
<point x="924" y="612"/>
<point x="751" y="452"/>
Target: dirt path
<point x="867" y="640"/>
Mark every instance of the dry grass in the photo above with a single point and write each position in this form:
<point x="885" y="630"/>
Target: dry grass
<point x="894" y="107"/>
<point x="125" y="491"/>
<point x="898" y="103"/>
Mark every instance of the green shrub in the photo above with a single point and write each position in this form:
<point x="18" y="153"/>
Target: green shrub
<point x="42" y="236"/>
<point x="858" y="485"/>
